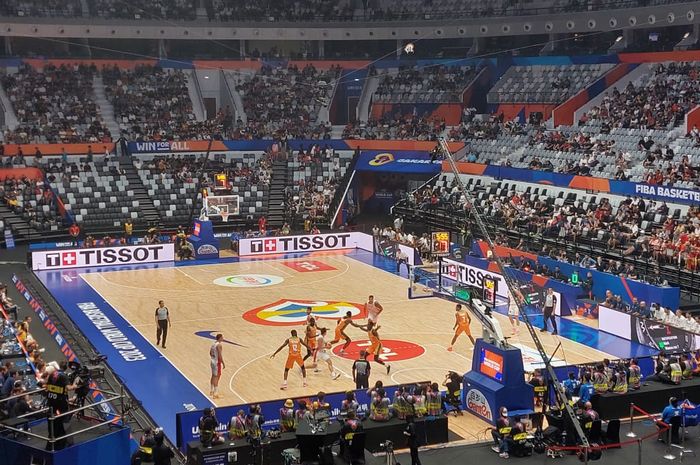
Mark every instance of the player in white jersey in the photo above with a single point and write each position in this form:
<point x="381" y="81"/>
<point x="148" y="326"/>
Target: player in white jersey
<point x="373" y="309"/>
<point x="216" y="356"/>
<point x="322" y="354"/>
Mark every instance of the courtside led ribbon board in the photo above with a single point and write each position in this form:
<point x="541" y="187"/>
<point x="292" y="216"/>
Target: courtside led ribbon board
<point x="103" y="256"/>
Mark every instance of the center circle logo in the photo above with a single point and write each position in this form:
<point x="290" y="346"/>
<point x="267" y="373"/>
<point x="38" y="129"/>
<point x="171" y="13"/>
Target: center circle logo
<point x="288" y="312"/>
<point x="392" y="350"/>
<point x="248" y="280"/>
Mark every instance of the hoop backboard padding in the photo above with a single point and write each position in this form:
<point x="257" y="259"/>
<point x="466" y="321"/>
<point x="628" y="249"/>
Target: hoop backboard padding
<point x="205" y="244"/>
<point x="496" y="379"/>
<point x="213" y="205"/>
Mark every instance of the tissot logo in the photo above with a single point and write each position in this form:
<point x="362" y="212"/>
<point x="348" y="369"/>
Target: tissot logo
<point x="300" y="243"/>
<point x="68" y="259"/>
<point x="53" y="259"/>
<point x="102" y="256"/>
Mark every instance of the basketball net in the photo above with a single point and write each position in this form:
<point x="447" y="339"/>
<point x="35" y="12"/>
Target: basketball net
<point x="224" y="216"/>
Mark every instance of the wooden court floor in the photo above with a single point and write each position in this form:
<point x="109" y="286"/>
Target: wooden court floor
<point x="419" y="330"/>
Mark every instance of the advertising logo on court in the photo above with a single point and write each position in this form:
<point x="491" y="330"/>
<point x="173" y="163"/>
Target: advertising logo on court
<point x="308" y="266"/>
<point x="287" y="312"/>
<point x="248" y="280"/>
<point x="392" y="350"/>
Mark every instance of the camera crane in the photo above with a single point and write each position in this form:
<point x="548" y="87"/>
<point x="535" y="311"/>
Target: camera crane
<point x="480" y="222"/>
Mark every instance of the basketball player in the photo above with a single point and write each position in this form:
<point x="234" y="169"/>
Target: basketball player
<point x="310" y="340"/>
<point x="462" y="321"/>
<point x="309" y="315"/>
<point x="217" y="364"/>
<point x="375" y="347"/>
<point x="513" y="316"/>
<point x="294" y="345"/>
<point x="340" y="331"/>
<point x="322" y="353"/>
<point x="373" y="309"/>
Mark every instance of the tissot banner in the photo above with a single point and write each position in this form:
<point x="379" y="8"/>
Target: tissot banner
<point x="104" y="256"/>
<point x="310" y="243"/>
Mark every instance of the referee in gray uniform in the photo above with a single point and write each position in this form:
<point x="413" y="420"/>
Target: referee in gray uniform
<point x="162" y="322"/>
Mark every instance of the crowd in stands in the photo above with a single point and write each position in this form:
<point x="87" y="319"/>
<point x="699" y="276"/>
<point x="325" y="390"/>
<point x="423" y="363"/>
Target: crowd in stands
<point x="32" y="200"/>
<point x="285" y="103"/>
<point x="660" y="103"/>
<point x="54" y="105"/>
<point x="309" y="199"/>
<point x="17" y="378"/>
<point x="35" y="8"/>
<point x="396" y="127"/>
<point x="431" y="84"/>
<point x="656" y="311"/>
<point x="279" y="10"/>
<point x="635" y="227"/>
<point x="153" y="10"/>
<point x="150" y="103"/>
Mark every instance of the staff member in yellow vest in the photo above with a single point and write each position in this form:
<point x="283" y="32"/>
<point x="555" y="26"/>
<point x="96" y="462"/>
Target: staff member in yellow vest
<point x="634" y="379"/>
<point x="128" y="230"/>
<point x="379" y="408"/>
<point x="162" y="322"/>
<point x="501" y="433"/>
<point x="237" y="426"/>
<point x="287" y="422"/>
<point x="57" y="388"/>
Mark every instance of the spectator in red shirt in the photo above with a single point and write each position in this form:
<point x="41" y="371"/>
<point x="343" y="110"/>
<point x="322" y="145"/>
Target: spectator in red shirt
<point x="262" y="223"/>
<point x="74" y="232"/>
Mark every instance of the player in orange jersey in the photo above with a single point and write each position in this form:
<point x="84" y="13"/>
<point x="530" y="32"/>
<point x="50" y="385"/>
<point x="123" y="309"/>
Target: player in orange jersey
<point x="462" y="321"/>
<point x="343" y="323"/>
<point x="375" y="347"/>
<point x="294" y="345"/>
<point x="310" y="340"/>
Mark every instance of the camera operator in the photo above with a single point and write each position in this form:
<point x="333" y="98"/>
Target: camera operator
<point x="350" y="427"/>
<point x="80" y="378"/>
<point x="57" y="388"/>
<point x="502" y="433"/>
<point x="412" y="439"/>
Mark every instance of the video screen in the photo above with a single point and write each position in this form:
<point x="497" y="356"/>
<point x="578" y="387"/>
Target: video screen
<point x="491" y="365"/>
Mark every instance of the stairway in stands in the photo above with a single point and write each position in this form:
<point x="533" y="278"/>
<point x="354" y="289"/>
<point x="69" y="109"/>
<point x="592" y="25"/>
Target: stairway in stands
<point x="150" y="213"/>
<point x="275" y="205"/>
<point x="15" y="223"/>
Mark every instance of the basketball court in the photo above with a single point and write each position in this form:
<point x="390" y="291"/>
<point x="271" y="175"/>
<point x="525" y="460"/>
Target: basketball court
<point x="256" y="303"/>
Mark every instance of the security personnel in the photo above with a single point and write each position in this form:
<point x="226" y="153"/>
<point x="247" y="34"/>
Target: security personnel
<point x="351" y="426"/>
<point x="620" y="378"/>
<point x="433" y="401"/>
<point x="379" y="408"/>
<point x="237" y="427"/>
<point x="161" y="453"/>
<point x="254" y="423"/>
<point x="207" y="428"/>
<point x="162" y="322"/>
<point x="540" y="386"/>
<point x="634" y="379"/>
<point x="57" y="388"/>
<point x="676" y="371"/>
<point x="501" y="433"/>
<point x="600" y="379"/>
<point x="412" y="439"/>
<point x="401" y="406"/>
<point x="287" y="422"/>
<point x="588" y="417"/>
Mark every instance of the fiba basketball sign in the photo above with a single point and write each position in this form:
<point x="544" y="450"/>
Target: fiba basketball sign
<point x="106" y="256"/>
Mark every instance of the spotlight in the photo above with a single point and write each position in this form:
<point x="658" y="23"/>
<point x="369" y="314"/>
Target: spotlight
<point x="409" y="48"/>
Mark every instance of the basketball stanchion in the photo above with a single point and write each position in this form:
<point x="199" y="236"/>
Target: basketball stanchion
<point x="669" y="453"/>
<point x="631" y="433"/>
